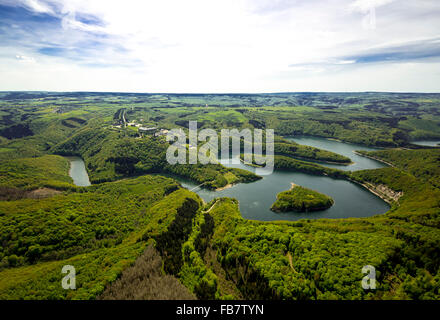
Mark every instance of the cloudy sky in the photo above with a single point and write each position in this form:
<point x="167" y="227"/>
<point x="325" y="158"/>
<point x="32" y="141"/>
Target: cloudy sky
<point x="220" y="45"/>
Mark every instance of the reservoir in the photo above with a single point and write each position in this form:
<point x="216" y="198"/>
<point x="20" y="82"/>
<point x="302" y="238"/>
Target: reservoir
<point x="342" y="148"/>
<point x="78" y="172"/>
<point x="256" y="198"/>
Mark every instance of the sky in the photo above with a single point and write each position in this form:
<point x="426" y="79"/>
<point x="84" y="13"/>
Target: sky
<point x="220" y="46"/>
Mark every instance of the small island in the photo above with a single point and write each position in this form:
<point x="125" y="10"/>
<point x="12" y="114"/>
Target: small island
<point x="301" y="199"/>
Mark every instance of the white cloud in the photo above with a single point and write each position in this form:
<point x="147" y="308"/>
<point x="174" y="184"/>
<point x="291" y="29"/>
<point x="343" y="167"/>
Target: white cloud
<point x="366" y="5"/>
<point x="69" y="21"/>
<point x="346" y="62"/>
<point x="218" y="46"/>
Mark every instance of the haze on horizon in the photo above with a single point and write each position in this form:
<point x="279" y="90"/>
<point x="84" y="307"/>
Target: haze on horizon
<point x="227" y="46"/>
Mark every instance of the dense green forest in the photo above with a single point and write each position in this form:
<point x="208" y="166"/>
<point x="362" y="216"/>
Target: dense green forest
<point x="301" y="199"/>
<point x="295" y="150"/>
<point x="21" y="177"/>
<point x="322" y="259"/>
<point x="110" y="155"/>
<point x="291" y="164"/>
<point x="424" y="164"/>
<point x="100" y="230"/>
<point x="136" y="233"/>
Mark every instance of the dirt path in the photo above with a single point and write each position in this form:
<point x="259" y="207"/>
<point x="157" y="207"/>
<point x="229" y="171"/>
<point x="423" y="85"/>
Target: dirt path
<point x="289" y="256"/>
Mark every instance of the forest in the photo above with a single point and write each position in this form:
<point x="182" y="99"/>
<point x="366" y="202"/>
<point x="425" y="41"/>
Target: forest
<point x="301" y="199"/>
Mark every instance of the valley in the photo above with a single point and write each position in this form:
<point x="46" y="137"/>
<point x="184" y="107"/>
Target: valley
<point x="81" y="186"/>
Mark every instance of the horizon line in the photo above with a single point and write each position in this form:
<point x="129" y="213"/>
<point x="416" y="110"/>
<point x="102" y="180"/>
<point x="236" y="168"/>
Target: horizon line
<point x="224" y="93"/>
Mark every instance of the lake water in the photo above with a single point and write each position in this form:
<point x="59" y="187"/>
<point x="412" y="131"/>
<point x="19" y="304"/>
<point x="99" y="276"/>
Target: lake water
<point x="428" y="143"/>
<point x="345" y="149"/>
<point x="78" y="172"/>
<point x="256" y="198"/>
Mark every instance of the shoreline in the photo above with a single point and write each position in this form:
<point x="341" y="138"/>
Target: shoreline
<point x="292" y="186"/>
<point x="321" y="161"/>
<point x="302" y="159"/>
<point x="229" y="185"/>
<point x="374" y="158"/>
<point x="334" y="139"/>
<point x="373" y="190"/>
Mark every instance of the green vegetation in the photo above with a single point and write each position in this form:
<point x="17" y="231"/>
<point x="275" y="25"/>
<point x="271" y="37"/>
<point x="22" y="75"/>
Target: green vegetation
<point x="32" y="173"/>
<point x="423" y="163"/>
<point x="290" y="164"/>
<point x="212" y="176"/>
<point x="195" y="275"/>
<point x="294" y="150"/>
<point x="132" y="235"/>
<point x="322" y="259"/>
<point x="19" y="177"/>
<point x="380" y="119"/>
<point x="82" y="229"/>
<point x="301" y="199"/>
<point x="58" y="227"/>
<point x="110" y="155"/>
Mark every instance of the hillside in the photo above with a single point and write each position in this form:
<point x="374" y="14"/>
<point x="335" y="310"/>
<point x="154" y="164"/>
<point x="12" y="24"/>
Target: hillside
<point x="136" y="233"/>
